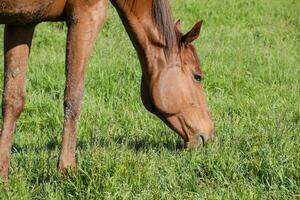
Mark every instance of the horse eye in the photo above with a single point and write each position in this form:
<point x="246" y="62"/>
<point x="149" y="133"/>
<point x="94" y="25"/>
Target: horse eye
<point x="198" y="77"/>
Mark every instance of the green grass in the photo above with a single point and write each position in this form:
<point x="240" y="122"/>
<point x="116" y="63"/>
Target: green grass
<point x="250" y="51"/>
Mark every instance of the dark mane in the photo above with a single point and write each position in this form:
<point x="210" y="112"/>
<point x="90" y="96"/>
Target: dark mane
<point x="162" y="16"/>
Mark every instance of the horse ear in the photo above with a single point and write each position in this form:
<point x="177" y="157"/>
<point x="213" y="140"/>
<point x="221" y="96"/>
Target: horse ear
<point x="178" y="33"/>
<point x="192" y="34"/>
<point x="178" y="25"/>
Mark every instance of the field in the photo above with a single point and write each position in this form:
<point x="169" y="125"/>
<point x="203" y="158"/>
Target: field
<point x="250" y="52"/>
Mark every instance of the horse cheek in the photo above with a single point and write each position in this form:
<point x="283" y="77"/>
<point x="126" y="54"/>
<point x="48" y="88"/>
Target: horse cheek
<point x="169" y="93"/>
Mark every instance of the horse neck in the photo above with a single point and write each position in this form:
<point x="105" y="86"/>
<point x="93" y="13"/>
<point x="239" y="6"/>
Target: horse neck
<point x="136" y="16"/>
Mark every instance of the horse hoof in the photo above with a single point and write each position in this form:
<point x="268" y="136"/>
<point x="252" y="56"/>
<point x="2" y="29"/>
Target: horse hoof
<point x="4" y="166"/>
<point x="3" y="176"/>
<point x="66" y="169"/>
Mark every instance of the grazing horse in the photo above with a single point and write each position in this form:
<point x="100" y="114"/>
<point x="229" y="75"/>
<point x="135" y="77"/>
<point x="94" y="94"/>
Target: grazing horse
<point x="171" y="76"/>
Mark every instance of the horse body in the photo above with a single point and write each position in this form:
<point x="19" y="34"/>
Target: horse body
<point x="170" y="86"/>
<point x="31" y="11"/>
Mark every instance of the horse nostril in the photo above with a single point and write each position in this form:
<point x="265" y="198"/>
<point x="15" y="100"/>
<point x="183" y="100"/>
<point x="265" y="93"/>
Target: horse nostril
<point x="197" y="140"/>
<point x="205" y="137"/>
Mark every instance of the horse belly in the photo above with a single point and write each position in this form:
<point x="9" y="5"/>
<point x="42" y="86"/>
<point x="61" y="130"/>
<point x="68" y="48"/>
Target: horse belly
<point x="30" y="11"/>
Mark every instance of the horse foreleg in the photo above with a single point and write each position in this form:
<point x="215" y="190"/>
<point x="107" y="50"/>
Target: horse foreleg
<point x="83" y="29"/>
<point x="17" y="42"/>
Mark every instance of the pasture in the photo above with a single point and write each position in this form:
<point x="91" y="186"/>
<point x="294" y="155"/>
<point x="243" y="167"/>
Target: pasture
<point x="250" y="54"/>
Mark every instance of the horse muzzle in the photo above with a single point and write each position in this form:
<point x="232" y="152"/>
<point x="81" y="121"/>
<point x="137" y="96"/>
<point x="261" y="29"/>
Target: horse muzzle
<point x="199" y="140"/>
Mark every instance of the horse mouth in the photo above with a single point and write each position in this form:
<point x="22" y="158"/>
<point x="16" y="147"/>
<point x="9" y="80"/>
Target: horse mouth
<point x="199" y="140"/>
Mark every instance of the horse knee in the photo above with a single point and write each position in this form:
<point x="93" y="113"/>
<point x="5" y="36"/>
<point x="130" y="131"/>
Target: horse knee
<point x="13" y="102"/>
<point x="72" y="108"/>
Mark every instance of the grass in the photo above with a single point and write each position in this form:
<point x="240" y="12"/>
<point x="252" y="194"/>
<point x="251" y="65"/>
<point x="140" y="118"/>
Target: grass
<point x="250" y="55"/>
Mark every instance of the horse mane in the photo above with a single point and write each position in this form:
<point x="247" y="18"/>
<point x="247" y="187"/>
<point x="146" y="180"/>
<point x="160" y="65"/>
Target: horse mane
<point x="162" y="17"/>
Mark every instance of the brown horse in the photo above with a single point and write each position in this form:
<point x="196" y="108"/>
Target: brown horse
<point x="171" y="82"/>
